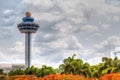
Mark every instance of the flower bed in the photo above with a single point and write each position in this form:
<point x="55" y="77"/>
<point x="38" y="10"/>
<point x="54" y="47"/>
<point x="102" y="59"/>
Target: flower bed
<point x="111" y="76"/>
<point x="51" y="77"/>
<point x="63" y="77"/>
<point x="3" y="77"/>
<point x="23" y="77"/>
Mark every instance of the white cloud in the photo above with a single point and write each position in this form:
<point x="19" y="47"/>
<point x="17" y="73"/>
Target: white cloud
<point x="94" y="61"/>
<point x="66" y="26"/>
<point x="58" y="44"/>
<point x="8" y="12"/>
<point x="109" y="44"/>
<point x="18" y="47"/>
<point x="104" y="26"/>
<point x="73" y="42"/>
<point x="116" y="18"/>
<point x="69" y="42"/>
<point x="2" y="56"/>
<point x="113" y="2"/>
<point x="5" y="33"/>
<point x="89" y="28"/>
<point x="41" y="3"/>
<point x="50" y="17"/>
<point x="47" y="36"/>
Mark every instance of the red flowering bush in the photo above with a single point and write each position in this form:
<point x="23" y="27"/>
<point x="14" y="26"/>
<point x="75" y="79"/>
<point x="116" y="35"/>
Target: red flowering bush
<point x="52" y="77"/>
<point x="63" y="77"/>
<point x="111" y="76"/>
<point x="23" y="77"/>
<point x="90" y="79"/>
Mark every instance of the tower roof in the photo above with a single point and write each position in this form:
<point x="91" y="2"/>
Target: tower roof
<point x="28" y="14"/>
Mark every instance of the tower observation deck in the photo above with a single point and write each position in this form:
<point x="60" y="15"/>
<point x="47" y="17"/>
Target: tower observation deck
<point x="28" y="26"/>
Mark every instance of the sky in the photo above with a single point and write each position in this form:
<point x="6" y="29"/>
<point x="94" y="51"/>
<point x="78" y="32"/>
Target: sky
<point x="88" y="28"/>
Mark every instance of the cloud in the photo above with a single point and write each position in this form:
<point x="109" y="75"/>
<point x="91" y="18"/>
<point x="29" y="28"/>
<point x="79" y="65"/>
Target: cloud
<point x="18" y="47"/>
<point x="7" y="18"/>
<point x="66" y="27"/>
<point x="105" y="26"/>
<point x="70" y="42"/>
<point x="43" y="5"/>
<point x="89" y="28"/>
<point x="72" y="14"/>
<point x="115" y="2"/>
<point x="4" y="33"/>
<point x="109" y="44"/>
<point x="94" y="61"/>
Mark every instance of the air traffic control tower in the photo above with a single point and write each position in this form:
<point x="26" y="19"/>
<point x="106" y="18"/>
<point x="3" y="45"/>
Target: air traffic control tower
<point x="28" y="27"/>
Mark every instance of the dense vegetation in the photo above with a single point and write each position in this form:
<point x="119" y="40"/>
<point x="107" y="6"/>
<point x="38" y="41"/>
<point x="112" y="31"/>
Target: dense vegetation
<point x="33" y="71"/>
<point x="77" y="66"/>
<point x="74" y="66"/>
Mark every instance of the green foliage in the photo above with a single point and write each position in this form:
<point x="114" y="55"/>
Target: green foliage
<point x="1" y="71"/>
<point x="45" y="70"/>
<point x="16" y="72"/>
<point x="30" y="71"/>
<point x="71" y="65"/>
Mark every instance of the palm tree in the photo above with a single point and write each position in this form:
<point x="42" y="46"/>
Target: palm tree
<point x="71" y="65"/>
<point x="67" y="66"/>
<point x="116" y="64"/>
<point x="86" y="70"/>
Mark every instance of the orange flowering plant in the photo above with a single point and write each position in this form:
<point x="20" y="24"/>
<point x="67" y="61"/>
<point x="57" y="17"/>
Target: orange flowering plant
<point x="111" y="76"/>
<point x="55" y="77"/>
<point x="63" y="77"/>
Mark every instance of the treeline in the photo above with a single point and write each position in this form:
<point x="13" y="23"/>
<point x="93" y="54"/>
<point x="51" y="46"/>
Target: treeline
<point x="74" y="66"/>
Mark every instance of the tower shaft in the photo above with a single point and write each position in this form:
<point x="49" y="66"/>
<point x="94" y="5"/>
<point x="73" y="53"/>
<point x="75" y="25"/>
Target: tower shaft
<point x="27" y="49"/>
